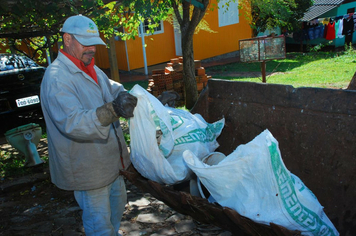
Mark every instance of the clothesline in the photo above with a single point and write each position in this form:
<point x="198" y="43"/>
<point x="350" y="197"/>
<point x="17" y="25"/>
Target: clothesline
<point x="328" y="28"/>
<point x="325" y="20"/>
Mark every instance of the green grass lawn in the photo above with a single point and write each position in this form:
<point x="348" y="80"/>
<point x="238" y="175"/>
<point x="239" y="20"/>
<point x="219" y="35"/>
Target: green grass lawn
<point x="129" y="85"/>
<point x="315" y="69"/>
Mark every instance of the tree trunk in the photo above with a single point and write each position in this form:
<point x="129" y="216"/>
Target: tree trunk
<point x="114" y="68"/>
<point x="190" y="84"/>
<point x="188" y="23"/>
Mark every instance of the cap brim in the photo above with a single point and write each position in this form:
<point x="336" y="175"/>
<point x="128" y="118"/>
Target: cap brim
<point x="89" y="41"/>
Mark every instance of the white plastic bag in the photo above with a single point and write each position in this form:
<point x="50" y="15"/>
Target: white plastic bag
<point x="181" y="131"/>
<point x="254" y="181"/>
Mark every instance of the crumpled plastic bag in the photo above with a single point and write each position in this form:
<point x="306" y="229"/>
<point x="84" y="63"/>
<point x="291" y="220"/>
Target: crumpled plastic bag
<point x="254" y="181"/>
<point x="161" y="159"/>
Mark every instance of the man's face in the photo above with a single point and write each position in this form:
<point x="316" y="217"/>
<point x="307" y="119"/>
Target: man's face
<point x="75" y="49"/>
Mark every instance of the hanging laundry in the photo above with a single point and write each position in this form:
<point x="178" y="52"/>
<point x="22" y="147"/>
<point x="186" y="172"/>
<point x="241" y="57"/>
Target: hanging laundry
<point x="311" y="33"/>
<point x="337" y="23"/>
<point x="319" y="32"/>
<point x="325" y="30"/>
<point x="348" y="29"/>
<point x="330" y="34"/>
<point x="324" y="21"/>
<point x="339" y="31"/>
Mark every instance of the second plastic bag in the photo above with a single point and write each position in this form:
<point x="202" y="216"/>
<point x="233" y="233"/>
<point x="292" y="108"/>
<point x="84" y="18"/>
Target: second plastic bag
<point x="254" y="181"/>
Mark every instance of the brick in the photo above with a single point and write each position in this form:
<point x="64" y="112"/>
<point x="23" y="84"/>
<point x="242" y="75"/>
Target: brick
<point x="175" y="60"/>
<point x="168" y="69"/>
<point x="197" y="64"/>
<point x="178" y="67"/>
<point x="156" y="77"/>
<point x="177" y="76"/>
<point x="200" y="71"/>
<point x="158" y="71"/>
<point x="169" y="86"/>
<point x="169" y="81"/>
<point x="200" y="86"/>
<point x="204" y="78"/>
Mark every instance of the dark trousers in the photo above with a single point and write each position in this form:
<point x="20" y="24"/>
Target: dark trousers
<point x="348" y="39"/>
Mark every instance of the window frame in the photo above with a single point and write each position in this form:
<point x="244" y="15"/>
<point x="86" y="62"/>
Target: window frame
<point x="228" y="17"/>
<point x="145" y="27"/>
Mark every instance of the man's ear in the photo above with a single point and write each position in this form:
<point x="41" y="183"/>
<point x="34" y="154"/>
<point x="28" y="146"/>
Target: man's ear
<point x="67" y="38"/>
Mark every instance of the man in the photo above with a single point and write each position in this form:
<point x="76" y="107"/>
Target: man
<point x="81" y="107"/>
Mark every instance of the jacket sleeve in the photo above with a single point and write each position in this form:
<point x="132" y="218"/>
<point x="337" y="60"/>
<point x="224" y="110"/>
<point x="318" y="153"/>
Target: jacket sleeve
<point x="72" y="106"/>
<point x="113" y="87"/>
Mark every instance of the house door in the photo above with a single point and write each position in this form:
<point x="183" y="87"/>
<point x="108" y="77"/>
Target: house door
<point x="177" y="39"/>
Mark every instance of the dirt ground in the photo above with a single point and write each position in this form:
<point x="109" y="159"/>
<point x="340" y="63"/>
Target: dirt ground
<point x="32" y="205"/>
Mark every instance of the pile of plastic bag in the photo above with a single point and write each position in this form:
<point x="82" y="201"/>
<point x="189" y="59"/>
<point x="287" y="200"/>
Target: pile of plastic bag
<point x="168" y="145"/>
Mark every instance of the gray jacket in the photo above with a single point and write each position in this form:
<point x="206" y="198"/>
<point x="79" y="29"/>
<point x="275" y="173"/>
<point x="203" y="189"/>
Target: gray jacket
<point x="83" y="154"/>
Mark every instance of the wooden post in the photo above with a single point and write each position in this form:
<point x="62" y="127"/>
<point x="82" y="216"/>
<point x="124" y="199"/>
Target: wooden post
<point x="263" y="70"/>
<point x="114" y="69"/>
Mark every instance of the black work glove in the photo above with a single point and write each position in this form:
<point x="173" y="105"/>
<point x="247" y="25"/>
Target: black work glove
<point x="169" y="97"/>
<point x="124" y="104"/>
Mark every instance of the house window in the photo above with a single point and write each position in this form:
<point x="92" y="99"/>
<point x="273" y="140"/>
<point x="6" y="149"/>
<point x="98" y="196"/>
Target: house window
<point x="229" y="16"/>
<point x="157" y="30"/>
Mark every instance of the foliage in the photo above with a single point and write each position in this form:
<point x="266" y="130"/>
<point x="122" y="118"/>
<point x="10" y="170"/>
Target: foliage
<point x="318" y="47"/>
<point x="12" y="164"/>
<point x="121" y="18"/>
<point x="202" y="26"/>
<point x="32" y="23"/>
<point x="129" y="85"/>
<point x="269" y="14"/>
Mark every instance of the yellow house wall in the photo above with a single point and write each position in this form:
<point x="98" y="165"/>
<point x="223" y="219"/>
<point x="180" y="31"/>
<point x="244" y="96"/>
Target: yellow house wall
<point x="102" y="57"/>
<point x="226" y="39"/>
<point x="160" y="48"/>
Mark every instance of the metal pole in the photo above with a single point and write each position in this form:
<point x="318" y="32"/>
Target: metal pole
<point x="143" y="47"/>
<point x="127" y="55"/>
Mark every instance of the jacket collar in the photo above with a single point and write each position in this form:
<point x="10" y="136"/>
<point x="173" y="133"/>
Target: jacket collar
<point x="72" y="67"/>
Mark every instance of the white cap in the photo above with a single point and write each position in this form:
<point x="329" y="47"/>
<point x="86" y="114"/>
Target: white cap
<point x="83" y="29"/>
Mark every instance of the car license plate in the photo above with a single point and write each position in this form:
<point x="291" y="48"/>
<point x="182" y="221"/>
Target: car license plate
<point x="22" y="102"/>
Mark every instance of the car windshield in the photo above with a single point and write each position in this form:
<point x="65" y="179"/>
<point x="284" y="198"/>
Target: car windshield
<point x="15" y="61"/>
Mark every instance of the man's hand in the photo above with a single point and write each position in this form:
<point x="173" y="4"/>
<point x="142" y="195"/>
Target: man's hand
<point x="169" y="97"/>
<point x="124" y="104"/>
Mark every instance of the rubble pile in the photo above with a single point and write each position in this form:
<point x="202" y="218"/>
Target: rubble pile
<point x="170" y="78"/>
